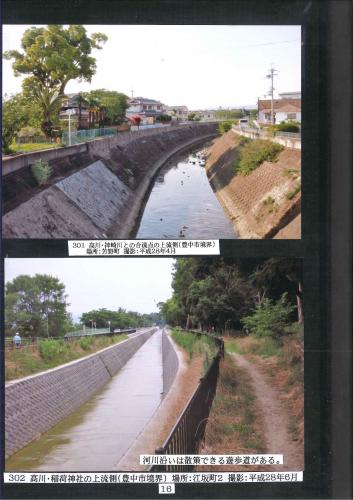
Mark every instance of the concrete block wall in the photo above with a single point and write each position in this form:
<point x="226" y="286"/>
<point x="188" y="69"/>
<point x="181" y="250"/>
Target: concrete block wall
<point x="170" y="363"/>
<point x="35" y="403"/>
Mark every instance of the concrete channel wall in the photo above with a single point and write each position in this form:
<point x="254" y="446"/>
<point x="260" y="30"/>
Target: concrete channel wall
<point x="34" y="404"/>
<point x="170" y="363"/>
<point x="96" y="193"/>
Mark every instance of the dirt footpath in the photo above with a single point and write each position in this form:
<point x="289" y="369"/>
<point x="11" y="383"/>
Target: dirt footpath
<point x="274" y="417"/>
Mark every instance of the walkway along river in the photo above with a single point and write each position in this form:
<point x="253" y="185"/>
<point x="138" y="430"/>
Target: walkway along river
<point x="182" y="204"/>
<point x="95" y="437"/>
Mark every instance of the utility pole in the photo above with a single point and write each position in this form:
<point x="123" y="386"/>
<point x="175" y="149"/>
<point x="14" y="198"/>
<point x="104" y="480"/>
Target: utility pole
<point x="272" y="72"/>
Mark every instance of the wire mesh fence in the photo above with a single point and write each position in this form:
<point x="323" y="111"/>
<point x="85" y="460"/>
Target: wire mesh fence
<point x="86" y="135"/>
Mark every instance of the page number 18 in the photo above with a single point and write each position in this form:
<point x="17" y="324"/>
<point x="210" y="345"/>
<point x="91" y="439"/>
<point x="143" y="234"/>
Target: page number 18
<point x="166" y="489"/>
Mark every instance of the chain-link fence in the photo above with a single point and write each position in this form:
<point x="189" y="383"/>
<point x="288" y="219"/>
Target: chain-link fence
<point x="86" y="135"/>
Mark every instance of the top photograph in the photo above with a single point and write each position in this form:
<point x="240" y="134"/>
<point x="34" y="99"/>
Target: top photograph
<point x="151" y="132"/>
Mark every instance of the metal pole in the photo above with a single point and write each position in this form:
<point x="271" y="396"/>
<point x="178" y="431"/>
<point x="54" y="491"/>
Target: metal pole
<point x="69" y="129"/>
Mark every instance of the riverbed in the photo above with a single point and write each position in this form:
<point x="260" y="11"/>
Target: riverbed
<point x="182" y="204"/>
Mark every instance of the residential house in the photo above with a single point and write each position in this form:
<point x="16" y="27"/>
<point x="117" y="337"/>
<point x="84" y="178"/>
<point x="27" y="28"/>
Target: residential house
<point x="178" y="112"/>
<point x="288" y="107"/>
<point x="146" y="109"/>
<point x="82" y="116"/>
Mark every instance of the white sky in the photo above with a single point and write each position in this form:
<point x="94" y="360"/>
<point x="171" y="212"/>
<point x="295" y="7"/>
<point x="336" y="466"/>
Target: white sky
<point x="196" y="66"/>
<point x="135" y="284"/>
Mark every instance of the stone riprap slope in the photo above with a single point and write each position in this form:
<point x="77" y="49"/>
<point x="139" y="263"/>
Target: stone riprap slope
<point x="35" y="403"/>
<point x="93" y="193"/>
<point x="258" y="203"/>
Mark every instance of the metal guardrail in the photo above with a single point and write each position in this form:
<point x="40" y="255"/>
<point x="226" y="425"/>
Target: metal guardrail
<point x="293" y="135"/>
<point x="95" y="332"/>
<point x="188" y="432"/>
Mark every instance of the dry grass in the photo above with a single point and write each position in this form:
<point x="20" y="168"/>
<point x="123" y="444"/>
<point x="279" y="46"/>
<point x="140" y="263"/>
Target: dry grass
<point x="284" y="363"/>
<point x="234" y="425"/>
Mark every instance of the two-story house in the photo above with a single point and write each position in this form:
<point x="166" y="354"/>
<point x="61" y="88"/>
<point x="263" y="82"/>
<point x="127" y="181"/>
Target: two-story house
<point x="146" y="109"/>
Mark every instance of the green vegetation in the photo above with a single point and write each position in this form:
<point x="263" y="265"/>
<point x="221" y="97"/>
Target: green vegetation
<point x="52" y="56"/>
<point x="112" y="103"/>
<point x="228" y="114"/>
<point x="269" y="318"/>
<point x="36" y="146"/>
<point x="41" y="171"/>
<point x="216" y="294"/>
<point x="271" y="204"/>
<point x="253" y="153"/>
<point x="196" y="345"/>
<point x="232" y="422"/>
<point x="119" y="319"/>
<point x="265" y="347"/>
<point x="292" y="173"/>
<point x="36" y="306"/>
<point x="192" y="116"/>
<point x="290" y="195"/>
<point x="290" y="126"/>
<point x="50" y="353"/>
<point x="224" y="127"/>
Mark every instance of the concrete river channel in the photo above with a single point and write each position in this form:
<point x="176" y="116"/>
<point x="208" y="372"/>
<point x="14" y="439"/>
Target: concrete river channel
<point x="97" y="435"/>
<point x="181" y="204"/>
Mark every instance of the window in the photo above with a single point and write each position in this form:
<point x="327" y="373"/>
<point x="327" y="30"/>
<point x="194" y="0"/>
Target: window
<point x="291" y="116"/>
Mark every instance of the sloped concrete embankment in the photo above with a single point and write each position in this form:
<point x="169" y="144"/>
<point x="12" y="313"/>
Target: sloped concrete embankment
<point x="262" y="203"/>
<point x="95" y="191"/>
<point x="34" y="404"/>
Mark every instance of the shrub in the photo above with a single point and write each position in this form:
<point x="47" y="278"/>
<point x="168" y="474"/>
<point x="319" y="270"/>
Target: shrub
<point x="224" y="127"/>
<point x="253" y="153"/>
<point x="41" y="171"/>
<point x="288" y="127"/>
<point x="86" y="342"/>
<point x="269" y="319"/>
<point x="51" y="349"/>
<point x="290" y="195"/>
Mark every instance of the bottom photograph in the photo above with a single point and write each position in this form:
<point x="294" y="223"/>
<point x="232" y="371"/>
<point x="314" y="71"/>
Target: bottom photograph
<point x="111" y="359"/>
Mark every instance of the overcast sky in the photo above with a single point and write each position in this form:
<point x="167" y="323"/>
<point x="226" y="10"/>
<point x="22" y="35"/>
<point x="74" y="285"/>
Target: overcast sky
<point x="136" y="284"/>
<point x="196" y="66"/>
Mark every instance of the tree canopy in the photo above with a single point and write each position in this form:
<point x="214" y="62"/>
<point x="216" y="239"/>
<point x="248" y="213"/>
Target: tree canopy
<point x="219" y="293"/>
<point x="114" y="104"/>
<point x="36" y="306"/>
<point x="118" y="319"/>
<point x="54" y="55"/>
<point x="51" y="57"/>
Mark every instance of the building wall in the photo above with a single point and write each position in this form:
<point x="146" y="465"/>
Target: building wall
<point x="36" y="403"/>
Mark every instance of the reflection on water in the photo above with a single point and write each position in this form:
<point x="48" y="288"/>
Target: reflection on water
<point x="95" y="437"/>
<point x="183" y="205"/>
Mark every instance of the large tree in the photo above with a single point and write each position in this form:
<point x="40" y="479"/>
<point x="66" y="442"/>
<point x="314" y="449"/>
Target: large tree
<point x="36" y="305"/>
<point x="51" y="57"/>
<point x="114" y="104"/>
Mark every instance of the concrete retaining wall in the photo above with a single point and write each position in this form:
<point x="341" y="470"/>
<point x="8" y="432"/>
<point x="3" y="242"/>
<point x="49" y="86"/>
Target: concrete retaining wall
<point x="34" y="404"/>
<point x="98" y="193"/>
<point x="170" y="363"/>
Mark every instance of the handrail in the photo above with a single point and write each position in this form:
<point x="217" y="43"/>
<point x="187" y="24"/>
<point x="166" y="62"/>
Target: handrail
<point x="189" y="430"/>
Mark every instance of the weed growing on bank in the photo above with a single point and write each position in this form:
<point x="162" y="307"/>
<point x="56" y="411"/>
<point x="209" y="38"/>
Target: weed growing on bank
<point x="194" y="345"/>
<point x="254" y="152"/>
<point x="49" y="353"/>
<point x="232" y="423"/>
